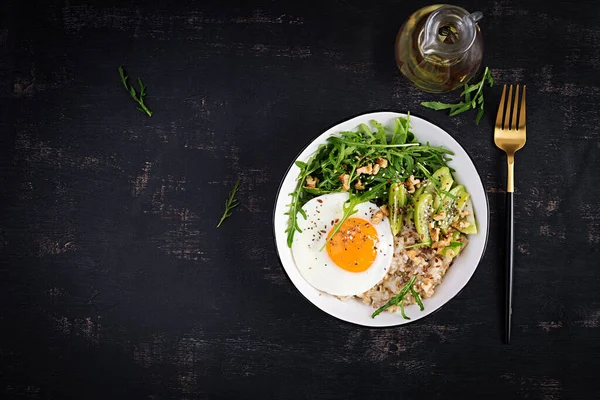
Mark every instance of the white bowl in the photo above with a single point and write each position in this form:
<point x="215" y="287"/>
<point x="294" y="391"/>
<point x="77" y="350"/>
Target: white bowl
<point x="457" y="275"/>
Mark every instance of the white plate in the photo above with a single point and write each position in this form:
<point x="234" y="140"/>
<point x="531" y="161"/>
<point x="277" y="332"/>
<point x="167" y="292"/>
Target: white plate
<point x="458" y="274"/>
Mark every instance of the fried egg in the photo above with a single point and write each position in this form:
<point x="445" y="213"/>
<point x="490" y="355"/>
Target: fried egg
<point x="355" y="259"/>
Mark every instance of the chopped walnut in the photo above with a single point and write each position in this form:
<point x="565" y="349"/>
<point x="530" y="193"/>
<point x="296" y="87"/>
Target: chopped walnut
<point x="345" y="179"/>
<point x="311" y="182"/>
<point x="435" y="234"/>
<point x="413" y="256"/>
<point x="370" y="169"/>
<point x="445" y="242"/>
<point x="359" y="186"/>
<point x="377" y="218"/>
<point x="461" y="225"/>
<point x="366" y="169"/>
<point x="385" y="210"/>
<point x="438" y="245"/>
<point x="439" y="216"/>
<point x="382" y="162"/>
<point x="431" y="225"/>
<point x="464" y="213"/>
<point x="412" y="183"/>
<point x="418" y="260"/>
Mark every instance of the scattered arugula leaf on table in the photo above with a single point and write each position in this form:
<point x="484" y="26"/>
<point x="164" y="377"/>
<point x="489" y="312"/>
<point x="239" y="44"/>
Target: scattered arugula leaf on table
<point x="139" y="99"/>
<point x="230" y="203"/>
<point x="473" y="98"/>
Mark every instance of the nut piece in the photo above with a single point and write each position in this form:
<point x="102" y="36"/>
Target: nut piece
<point x="371" y="169"/>
<point x="461" y="225"/>
<point x="367" y="170"/>
<point x="464" y="213"/>
<point x="311" y="182"/>
<point x="382" y="162"/>
<point x="440" y="244"/>
<point x="412" y="183"/>
<point x="359" y="186"/>
<point x="411" y="254"/>
<point x="385" y="210"/>
<point x="439" y="216"/>
<point x="377" y="218"/>
<point x="345" y="179"/>
<point x="435" y="234"/>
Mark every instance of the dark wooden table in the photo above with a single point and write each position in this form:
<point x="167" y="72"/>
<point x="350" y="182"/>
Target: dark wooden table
<point x="114" y="282"/>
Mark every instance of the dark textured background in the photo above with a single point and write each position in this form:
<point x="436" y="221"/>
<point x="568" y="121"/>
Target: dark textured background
<point x="114" y="283"/>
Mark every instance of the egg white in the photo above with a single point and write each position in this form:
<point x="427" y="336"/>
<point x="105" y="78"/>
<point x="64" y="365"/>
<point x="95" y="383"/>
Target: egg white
<point x="317" y="267"/>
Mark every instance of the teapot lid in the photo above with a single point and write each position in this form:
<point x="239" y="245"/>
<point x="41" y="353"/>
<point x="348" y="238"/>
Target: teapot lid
<point x="449" y="31"/>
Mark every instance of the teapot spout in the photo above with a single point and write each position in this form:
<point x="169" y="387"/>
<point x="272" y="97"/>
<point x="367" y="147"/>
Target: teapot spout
<point x="476" y="16"/>
<point x="428" y="46"/>
<point x="449" y="32"/>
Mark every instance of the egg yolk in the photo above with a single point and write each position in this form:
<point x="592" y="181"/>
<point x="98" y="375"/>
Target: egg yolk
<point x="353" y="248"/>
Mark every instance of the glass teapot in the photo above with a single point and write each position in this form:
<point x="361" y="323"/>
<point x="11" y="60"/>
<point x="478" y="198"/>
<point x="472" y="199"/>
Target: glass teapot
<point x="440" y="47"/>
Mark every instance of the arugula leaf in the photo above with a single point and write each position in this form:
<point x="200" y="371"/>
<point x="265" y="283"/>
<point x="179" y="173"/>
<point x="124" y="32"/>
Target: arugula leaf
<point x="479" y="115"/>
<point x="398" y="299"/>
<point x="295" y="207"/>
<point x="230" y="203"/>
<point x="364" y="129"/>
<point x="371" y="145"/>
<point x="349" y="206"/>
<point x="437" y="105"/>
<point x="139" y="99"/>
<point x="401" y="131"/>
<point x="381" y="135"/>
<point x="473" y="98"/>
<point x="417" y="297"/>
<point x="467" y="96"/>
<point x="417" y="245"/>
<point x="349" y="209"/>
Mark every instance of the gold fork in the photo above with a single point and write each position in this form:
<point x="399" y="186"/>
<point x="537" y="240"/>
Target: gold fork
<point x="509" y="135"/>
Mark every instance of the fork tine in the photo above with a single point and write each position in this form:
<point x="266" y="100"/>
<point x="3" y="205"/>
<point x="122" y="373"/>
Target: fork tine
<point x="513" y="124"/>
<point x="522" y="113"/>
<point x="501" y="109"/>
<point x="507" y="112"/>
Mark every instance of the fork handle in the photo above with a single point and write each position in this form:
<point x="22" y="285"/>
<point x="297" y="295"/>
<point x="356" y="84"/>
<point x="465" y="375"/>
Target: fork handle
<point x="509" y="266"/>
